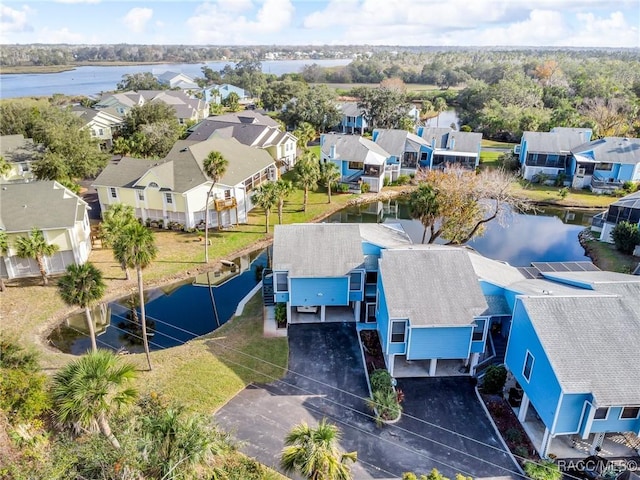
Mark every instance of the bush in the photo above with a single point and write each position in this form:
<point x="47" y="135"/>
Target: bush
<point x="342" y="188"/>
<point x="626" y="236"/>
<point x="403" y="180"/>
<point x="509" y="161"/>
<point x="630" y="187"/>
<point x="544" y="470"/>
<point x="365" y="187"/>
<point x="494" y="379"/>
<point x="281" y="314"/>
<point x="563" y="192"/>
<point x="385" y="401"/>
<point x="560" y="178"/>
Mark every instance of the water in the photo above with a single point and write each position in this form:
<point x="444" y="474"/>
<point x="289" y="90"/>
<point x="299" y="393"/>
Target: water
<point x="549" y="236"/>
<point x="176" y="314"/>
<point x="445" y="119"/>
<point x="93" y="80"/>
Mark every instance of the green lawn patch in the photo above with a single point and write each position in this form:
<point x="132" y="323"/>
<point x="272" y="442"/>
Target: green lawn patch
<point x="606" y="257"/>
<point x="495" y="144"/>
<point x="489" y="159"/>
<point x="549" y="194"/>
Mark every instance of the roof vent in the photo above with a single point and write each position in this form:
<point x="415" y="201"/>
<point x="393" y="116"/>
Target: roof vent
<point x="184" y="149"/>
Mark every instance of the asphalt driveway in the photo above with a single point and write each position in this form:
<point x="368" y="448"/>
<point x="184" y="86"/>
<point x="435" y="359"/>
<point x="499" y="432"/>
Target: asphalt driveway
<point x="326" y="379"/>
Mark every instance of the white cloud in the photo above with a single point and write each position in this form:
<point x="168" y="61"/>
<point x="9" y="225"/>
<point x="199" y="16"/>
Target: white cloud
<point x="12" y="20"/>
<point x="62" y="35"/>
<point x="543" y="27"/>
<point x="611" y="31"/>
<point x="136" y="19"/>
<point x="224" y="22"/>
<point x="77" y="1"/>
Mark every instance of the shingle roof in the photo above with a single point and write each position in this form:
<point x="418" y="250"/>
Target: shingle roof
<point x="446" y="138"/>
<point x="553" y="142"/>
<point x="45" y="205"/>
<point x="384" y="235"/>
<point x="439" y="134"/>
<point x="395" y="141"/>
<point x="354" y="148"/>
<point x="350" y="109"/>
<point x="592" y="344"/>
<point x="125" y="173"/>
<point x="16" y="148"/>
<point x="612" y="150"/>
<point x="317" y="250"/>
<point x="431" y="285"/>
<point x="246" y="116"/>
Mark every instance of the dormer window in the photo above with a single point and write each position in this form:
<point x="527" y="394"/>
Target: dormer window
<point x="153" y="185"/>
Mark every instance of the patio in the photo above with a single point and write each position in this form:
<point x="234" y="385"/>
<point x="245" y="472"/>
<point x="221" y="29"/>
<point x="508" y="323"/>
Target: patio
<point x="404" y="368"/>
<point x="332" y="315"/>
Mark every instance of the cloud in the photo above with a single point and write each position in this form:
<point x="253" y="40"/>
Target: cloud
<point x="77" y="1"/>
<point x="12" y="20"/>
<point x="62" y="35"/>
<point x="136" y="19"/>
<point x="225" y="22"/>
<point x="611" y="31"/>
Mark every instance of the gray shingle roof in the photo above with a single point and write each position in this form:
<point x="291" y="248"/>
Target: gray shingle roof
<point x="350" y="109"/>
<point x="593" y="278"/>
<point x="317" y="250"/>
<point x="553" y="142"/>
<point x="45" y="205"/>
<point x="386" y="236"/>
<point x="351" y="147"/>
<point x="612" y="150"/>
<point x="431" y="285"/>
<point x="446" y="138"/>
<point x="125" y="173"/>
<point x="592" y="344"/>
<point x="16" y="148"/>
<point x="246" y="117"/>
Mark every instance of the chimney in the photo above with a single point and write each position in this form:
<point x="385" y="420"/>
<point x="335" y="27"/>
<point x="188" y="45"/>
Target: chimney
<point x="332" y="152"/>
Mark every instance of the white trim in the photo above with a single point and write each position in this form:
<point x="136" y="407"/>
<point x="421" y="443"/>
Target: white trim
<point x="556" y="413"/>
<point x="628" y="418"/>
<point x="606" y="417"/>
<point x="404" y="339"/>
<point x="524" y="365"/>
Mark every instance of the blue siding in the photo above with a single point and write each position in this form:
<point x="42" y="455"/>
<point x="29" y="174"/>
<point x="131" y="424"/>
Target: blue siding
<point x="626" y="173"/>
<point x="543" y="388"/>
<point x="570" y="413"/>
<point x="371" y="249"/>
<point x="356" y="295"/>
<point x="282" y="297"/>
<point x="478" y="346"/>
<point x="575" y="283"/>
<point x="382" y="317"/>
<point x="334" y="291"/>
<point x="613" y="423"/>
<point x="439" y="342"/>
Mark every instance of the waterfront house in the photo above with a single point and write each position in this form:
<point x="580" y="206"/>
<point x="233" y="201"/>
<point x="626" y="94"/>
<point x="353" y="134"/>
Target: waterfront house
<point x="20" y="153"/>
<point x="604" y="165"/>
<point x="174" y="190"/>
<point x="253" y="129"/>
<point x="549" y="153"/>
<point x="359" y="160"/>
<point x="407" y="151"/>
<point x="57" y="211"/>
<point x="626" y="209"/>
<point x="450" y="147"/>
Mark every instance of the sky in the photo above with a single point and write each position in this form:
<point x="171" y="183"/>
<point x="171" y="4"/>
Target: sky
<point x="573" y="23"/>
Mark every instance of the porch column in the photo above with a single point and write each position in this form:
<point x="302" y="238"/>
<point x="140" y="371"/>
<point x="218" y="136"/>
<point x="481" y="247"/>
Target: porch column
<point x="323" y="312"/>
<point x="524" y="406"/>
<point x="474" y="361"/>
<point x="288" y="312"/>
<point x="356" y="311"/>
<point x="546" y="442"/>
<point x="598" y="438"/>
<point x="432" y="367"/>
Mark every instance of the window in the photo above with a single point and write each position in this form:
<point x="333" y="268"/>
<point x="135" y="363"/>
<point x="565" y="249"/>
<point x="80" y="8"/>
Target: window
<point x="355" y="281"/>
<point x="372" y="277"/>
<point x="141" y="195"/>
<point x="630" y="413"/>
<point x="153" y="185"/>
<point x="282" y="282"/>
<point x="100" y="131"/>
<point x="601" y="413"/>
<point x="528" y="366"/>
<point x="423" y="157"/>
<point x="356" y="166"/>
<point x="168" y="197"/>
<point x="478" y="330"/>
<point x="397" y="331"/>
<point x="227" y="194"/>
<point x="114" y="192"/>
<point x="607" y="167"/>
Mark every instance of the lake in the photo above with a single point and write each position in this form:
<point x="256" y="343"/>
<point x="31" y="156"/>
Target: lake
<point x="93" y="80"/>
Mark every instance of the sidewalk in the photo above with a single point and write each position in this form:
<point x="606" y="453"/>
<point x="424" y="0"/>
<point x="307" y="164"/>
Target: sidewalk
<point x="270" y="326"/>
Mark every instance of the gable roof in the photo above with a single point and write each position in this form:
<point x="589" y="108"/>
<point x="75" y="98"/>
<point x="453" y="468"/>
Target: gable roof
<point x="395" y="141"/>
<point x="354" y="148"/>
<point x="350" y="109"/>
<point x="446" y="138"/>
<point x="46" y="205"/>
<point x="384" y="235"/>
<point x="556" y="141"/>
<point x="431" y="285"/>
<point x="602" y="333"/>
<point x="245" y="116"/>
<point x="611" y="150"/>
<point x="317" y="250"/>
<point x="124" y="173"/>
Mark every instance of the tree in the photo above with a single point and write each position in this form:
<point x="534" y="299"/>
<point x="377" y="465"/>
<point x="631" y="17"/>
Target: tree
<point x="136" y="248"/>
<point x="626" y="236"/>
<point x="4" y="251"/>
<point x="315" y="106"/>
<point x="382" y="107"/>
<point x="214" y="167"/>
<point x="36" y="246"/>
<point x="140" y="81"/>
<point x="439" y="105"/>
<point x="114" y="219"/>
<point x="423" y="206"/>
<point x="307" y="174"/>
<point x="90" y="390"/>
<point x="305" y="133"/>
<point x="329" y="174"/>
<point x="284" y="188"/>
<point x="5" y="167"/>
<point x="232" y="102"/>
<point x="276" y="94"/>
<point x="468" y="201"/>
<point x="266" y="197"/>
<point x="82" y="286"/>
<point x="312" y="452"/>
<point x="543" y="470"/>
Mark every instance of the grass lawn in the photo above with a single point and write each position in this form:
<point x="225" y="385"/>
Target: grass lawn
<point x="575" y="198"/>
<point x="494" y="144"/>
<point x="607" y="257"/>
<point x="489" y="159"/>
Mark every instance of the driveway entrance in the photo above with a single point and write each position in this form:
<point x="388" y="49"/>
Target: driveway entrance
<point x="326" y="379"/>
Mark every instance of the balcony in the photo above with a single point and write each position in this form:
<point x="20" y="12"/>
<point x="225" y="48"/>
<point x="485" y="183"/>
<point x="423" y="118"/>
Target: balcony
<point x="222" y="204"/>
<point x="603" y="185"/>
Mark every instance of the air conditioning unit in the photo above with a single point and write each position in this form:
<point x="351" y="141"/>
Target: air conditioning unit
<point x="581" y="172"/>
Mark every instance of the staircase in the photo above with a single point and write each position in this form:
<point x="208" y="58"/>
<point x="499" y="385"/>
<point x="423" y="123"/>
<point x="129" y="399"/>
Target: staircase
<point x="268" y="297"/>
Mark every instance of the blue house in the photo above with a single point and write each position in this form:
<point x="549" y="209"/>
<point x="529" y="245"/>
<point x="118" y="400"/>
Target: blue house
<point x="352" y="120"/>
<point x="549" y="153"/>
<point x="218" y="93"/>
<point x="359" y="159"/>
<point x="604" y="165"/>
<point x="407" y="151"/>
<point x="449" y="147"/>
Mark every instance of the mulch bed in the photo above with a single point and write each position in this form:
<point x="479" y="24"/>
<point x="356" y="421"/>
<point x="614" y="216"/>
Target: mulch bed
<point x="373" y="357"/>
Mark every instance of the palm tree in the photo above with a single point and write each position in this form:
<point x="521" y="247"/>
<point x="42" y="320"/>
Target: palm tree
<point x="136" y="248"/>
<point x="88" y="391"/>
<point x="312" y="452"/>
<point x="36" y="246"/>
<point x="423" y="206"/>
<point x="214" y="167"/>
<point x="4" y="250"/>
<point x="284" y="188"/>
<point x="305" y="133"/>
<point x="329" y="174"/>
<point x="83" y="286"/>
<point x="439" y="105"/>
<point x="114" y="219"/>
<point x="266" y="197"/>
<point x="307" y="173"/>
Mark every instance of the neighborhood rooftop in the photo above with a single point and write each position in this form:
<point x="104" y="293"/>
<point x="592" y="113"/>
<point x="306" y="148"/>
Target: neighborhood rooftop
<point x="354" y="148"/>
<point x="553" y="142"/>
<point x="612" y="150"/>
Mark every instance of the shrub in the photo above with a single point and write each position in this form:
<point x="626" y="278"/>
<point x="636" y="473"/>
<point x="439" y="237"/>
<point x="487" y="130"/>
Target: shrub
<point x="513" y="435"/>
<point x="543" y="470"/>
<point x="365" y="187"/>
<point x="342" y="188"/>
<point x="560" y="178"/>
<point x="630" y="187"/>
<point x="281" y="314"/>
<point x="626" y="236"/>
<point x="509" y="161"/>
<point x="541" y="178"/>
<point x="466" y="128"/>
<point x="563" y="192"/>
<point x="385" y="401"/>
<point x="494" y="379"/>
<point x="380" y="379"/>
<point x="403" y="180"/>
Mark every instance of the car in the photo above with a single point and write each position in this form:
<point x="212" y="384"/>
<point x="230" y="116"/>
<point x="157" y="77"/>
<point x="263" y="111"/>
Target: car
<point x="307" y="309"/>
